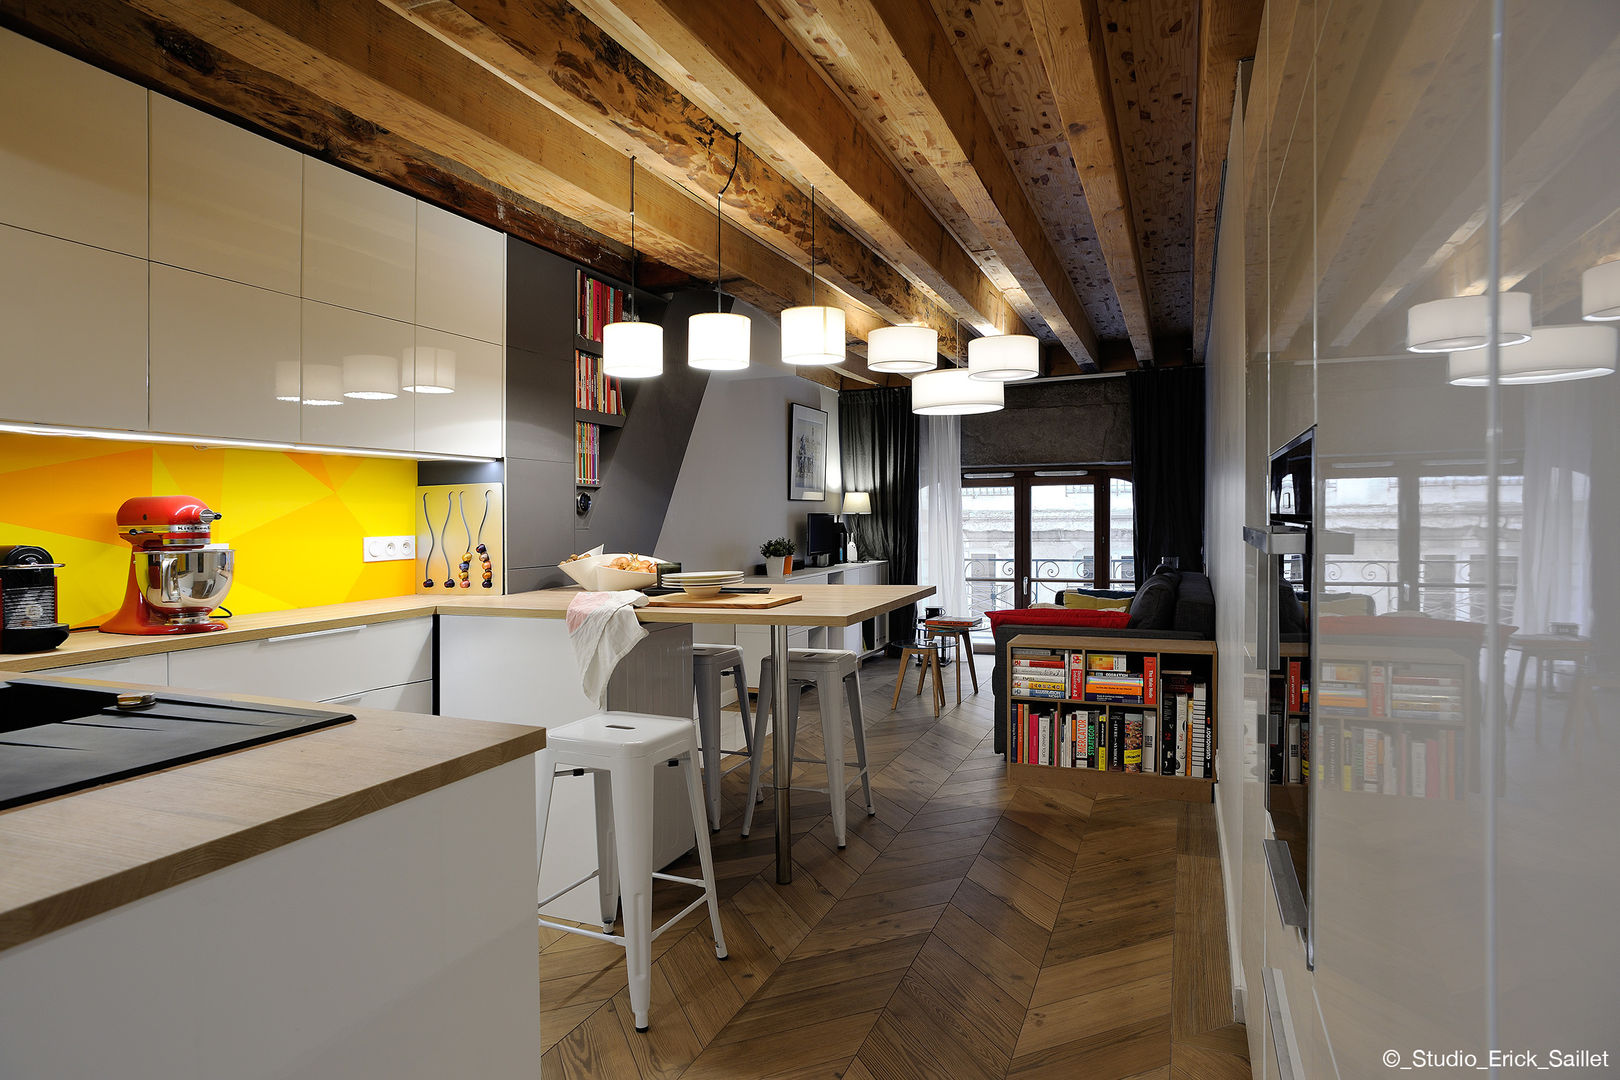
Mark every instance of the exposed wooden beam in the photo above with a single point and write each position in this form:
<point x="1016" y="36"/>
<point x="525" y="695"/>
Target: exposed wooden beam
<point x="1227" y="32"/>
<point x="896" y="63"/>
<point x="1069" y="37"/>
<point x="392" y="74"/>
<point x="551" y="52"/>
<point x="732" y="59"/>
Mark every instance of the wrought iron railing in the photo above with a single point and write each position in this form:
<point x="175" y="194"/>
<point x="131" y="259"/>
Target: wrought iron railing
<point x="992" y="585"/>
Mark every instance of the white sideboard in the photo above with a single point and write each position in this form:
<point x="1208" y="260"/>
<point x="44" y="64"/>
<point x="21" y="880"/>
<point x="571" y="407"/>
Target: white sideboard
<point x="867" y="639"/>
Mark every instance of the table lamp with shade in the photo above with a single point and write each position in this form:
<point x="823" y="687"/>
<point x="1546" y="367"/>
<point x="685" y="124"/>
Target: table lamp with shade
<point x="855" y="502"/>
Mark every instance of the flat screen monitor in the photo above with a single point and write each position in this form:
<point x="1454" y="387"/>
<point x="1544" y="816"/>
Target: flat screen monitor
<point x="823" y="538"/>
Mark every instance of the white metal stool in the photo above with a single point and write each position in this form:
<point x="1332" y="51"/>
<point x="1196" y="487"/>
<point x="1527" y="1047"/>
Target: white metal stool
<point x="828" y="670"/>
<point x="621" y="750"/>
<point x="710" y="664"/>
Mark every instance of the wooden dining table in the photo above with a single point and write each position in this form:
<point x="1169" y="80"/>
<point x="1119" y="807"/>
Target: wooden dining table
<point x="819" y="605"/>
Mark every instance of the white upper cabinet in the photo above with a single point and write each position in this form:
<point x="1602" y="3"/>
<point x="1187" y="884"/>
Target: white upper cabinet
<point x="467" y="419"/>
<point x="359" y="243"/>
<point x="225" y="201"/>
<point x="460" y="275"/>
<point x="355" y="367"/>
<point x="72" y="148"/>
<point x="73" y="349"/>
<point x="218" y="352"/>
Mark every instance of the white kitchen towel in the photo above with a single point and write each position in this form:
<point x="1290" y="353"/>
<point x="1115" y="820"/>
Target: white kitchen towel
<point x="603" y="628"/>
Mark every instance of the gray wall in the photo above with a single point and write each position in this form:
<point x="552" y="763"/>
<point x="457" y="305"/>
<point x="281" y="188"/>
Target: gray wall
<point x="731" y="494"/>
<point x="639" y="461"/>
<point x="1060" y="423"/>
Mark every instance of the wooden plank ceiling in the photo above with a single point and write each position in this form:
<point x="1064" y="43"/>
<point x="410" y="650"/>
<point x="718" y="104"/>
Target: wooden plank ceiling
<point x="941" y="137"/>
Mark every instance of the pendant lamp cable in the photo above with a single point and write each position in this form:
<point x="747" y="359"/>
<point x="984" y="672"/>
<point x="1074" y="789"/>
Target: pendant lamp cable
<point x="633" y="258"/>
<point x="719" y="220"/>
<point x="812" y="245"/>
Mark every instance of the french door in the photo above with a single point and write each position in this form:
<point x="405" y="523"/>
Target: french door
<point x="1029" y="534"/>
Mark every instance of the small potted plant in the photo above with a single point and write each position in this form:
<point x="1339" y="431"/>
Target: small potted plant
<point x="778" y="555"/>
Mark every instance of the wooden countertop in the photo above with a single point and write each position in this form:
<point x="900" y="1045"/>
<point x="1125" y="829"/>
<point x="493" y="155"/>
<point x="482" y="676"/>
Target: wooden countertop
<point x="823" y="605"/>
<point x="75" y="856"/>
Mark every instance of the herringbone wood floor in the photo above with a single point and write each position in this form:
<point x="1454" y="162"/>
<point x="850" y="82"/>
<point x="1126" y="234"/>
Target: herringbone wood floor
<point x="971" y="929"/>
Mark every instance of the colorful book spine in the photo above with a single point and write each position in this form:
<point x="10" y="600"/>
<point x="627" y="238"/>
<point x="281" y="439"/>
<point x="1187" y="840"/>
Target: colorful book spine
<point x="1131" y="758"/>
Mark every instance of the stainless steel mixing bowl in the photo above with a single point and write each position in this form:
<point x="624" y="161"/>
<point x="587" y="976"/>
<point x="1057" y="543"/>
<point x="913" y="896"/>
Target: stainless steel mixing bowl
<point x="186" y="582"/>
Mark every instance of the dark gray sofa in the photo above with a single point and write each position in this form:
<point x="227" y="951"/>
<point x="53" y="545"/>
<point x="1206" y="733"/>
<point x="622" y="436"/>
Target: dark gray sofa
<point x="1190" y="616"/>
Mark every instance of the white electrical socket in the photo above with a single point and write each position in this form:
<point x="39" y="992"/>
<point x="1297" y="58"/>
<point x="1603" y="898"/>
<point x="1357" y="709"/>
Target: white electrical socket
<point x="387" y="548"/>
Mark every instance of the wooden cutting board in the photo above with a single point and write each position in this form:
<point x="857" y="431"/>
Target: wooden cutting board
<point x="751" y="601"/>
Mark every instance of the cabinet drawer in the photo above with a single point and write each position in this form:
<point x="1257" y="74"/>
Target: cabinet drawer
<point x="313" y="666"/>
<point x="150" y="670"/>
<point x="416" y="697"/>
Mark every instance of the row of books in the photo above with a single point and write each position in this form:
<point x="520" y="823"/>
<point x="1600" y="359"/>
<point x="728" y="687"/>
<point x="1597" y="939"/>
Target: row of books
<point x="1085" y="676"/>
<point x="1389" y="690"/>
<point x="1288" y="759"/>
<point x="1371" y="759"/>
<point x="594" y="390"/>
<point x="1176" y="741"/>
<point x="598" y="304"/>
<point x="587" y="454"/>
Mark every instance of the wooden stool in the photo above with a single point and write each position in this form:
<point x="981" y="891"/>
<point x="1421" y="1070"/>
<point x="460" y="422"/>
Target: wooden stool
<point x="964" y="648"/>
<point x="1582" y="708"/>
<point x="1544" y="649"/>
<point x="928" y="653"/>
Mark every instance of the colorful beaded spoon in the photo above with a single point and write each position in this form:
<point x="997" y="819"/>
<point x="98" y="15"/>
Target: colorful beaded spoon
<point x="483" y="552"/>
<point x="432" y="542"/>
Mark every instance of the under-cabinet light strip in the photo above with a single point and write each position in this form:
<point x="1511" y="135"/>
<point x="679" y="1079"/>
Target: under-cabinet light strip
<point x="113" y="435"/>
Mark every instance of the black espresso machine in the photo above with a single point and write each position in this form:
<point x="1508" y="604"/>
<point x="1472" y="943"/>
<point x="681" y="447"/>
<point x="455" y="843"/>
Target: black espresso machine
<point x="28" y="600"/>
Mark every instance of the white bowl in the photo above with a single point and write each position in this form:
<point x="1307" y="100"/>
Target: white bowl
<point x="584" y="571"/>
<point x="610" y="580"/>
<point x="701" y="592"/>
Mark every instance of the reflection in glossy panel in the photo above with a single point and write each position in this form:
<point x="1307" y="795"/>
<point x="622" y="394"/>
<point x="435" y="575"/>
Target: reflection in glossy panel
<point x="1365" y="171"/>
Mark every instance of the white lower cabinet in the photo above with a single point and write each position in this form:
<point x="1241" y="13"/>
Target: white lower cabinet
<point x="416" y="697"/>
<point x="220" y="352"/>
<point x="150" y="670"/>
<point x="317" y="665"/>
<point x="75" y="333"/>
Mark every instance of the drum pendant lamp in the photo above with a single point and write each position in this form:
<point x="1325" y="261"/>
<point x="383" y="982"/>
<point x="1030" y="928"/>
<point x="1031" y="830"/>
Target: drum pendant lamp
<point x="718" y="340"/>
<point x="632" y="349"/>
<point x="812" y="334"/>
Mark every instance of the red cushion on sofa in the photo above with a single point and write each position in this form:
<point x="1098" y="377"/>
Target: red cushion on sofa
<point x="1115" y="620"/>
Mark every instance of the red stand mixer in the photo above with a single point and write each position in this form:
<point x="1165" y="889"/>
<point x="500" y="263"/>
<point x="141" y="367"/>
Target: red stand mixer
<point x="177" y="577"/>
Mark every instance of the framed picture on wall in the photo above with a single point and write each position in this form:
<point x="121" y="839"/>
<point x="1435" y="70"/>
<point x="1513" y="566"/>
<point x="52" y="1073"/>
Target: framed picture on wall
<point x="807" y="454"/>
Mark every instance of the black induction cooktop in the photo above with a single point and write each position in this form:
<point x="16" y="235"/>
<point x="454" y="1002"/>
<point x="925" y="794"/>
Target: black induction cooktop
<point x="57" y="737"/>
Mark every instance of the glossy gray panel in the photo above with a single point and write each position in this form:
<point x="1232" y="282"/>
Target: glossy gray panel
<point x="540" y="403"/>
<point x="539" y="512"/>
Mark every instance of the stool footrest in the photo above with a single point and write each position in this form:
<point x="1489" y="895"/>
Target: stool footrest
<point x="684" y="912"/>
<point x="570" y="888"/>
<point x="611" y="939"/>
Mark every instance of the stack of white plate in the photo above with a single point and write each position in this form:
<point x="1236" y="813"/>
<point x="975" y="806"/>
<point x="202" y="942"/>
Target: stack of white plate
<point x="703" y="582"/>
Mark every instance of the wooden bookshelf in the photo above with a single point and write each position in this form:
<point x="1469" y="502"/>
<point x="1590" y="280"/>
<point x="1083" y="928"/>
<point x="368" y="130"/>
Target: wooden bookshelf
<point x="1166" y="653"/>
<point x="592" y="390"/>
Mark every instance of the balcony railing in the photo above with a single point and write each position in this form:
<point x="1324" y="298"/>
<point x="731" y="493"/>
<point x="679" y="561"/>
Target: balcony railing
<point x="992" y="585"/>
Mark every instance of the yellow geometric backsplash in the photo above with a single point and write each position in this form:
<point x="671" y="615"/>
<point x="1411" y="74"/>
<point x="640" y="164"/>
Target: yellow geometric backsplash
<point x="297" y="521"/>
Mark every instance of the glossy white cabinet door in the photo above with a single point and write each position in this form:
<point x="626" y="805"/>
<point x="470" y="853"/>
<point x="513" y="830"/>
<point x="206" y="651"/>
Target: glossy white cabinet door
<point x="215" y="348"/>
<point x="72" y="148"/>
<point x="460" y="275"/>
<point x="74" y="320"/>
<point x="225" y="201"/>
<point x="469" y="420"/>
<point x="359" y="243"/>
<point x="337" y="344"/>
<point x="149" y="670"/>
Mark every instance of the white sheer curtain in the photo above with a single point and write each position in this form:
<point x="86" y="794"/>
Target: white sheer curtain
<point x="939" y="513"/>
<point x="1555" y="564"/>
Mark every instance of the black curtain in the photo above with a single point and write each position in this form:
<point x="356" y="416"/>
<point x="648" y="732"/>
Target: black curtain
<point x="1167" y="466"/>
<point x="877" y="439"/>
